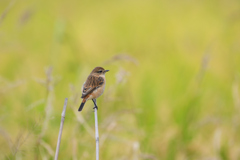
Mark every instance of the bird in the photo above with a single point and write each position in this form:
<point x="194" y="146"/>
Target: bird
<point x="93" y="87"/>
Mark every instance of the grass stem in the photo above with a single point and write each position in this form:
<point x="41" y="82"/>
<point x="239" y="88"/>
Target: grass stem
<point x="61" y="128"/>
<point x="96" y="133"/>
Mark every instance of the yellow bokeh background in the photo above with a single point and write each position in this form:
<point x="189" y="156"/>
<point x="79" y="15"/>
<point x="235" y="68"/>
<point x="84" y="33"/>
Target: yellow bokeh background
<point x="172" y="91"/>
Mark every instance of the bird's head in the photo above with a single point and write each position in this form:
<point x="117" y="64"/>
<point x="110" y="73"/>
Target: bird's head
<point x="99" y="71"/>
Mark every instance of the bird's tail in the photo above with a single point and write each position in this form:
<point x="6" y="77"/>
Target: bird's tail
<point x="82" y="105"/>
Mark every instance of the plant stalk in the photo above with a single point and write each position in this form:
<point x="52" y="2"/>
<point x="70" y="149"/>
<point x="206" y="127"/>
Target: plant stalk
<point x="96" y="133"/>
<point x="61" y="128"/>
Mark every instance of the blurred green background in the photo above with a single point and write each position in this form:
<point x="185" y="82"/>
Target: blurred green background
<point x="172" y="91"/>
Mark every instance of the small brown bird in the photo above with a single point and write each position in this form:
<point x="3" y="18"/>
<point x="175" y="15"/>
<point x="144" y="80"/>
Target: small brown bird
<point x="94" y="86"/>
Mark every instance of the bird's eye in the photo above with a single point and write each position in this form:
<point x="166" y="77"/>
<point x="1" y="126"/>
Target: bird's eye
<point x="99" y="71"/>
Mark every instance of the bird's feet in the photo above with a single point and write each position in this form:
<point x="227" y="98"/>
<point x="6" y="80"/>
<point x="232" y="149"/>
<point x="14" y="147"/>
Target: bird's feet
<point x="95" y="107"/>
<point x="95" y="104"/>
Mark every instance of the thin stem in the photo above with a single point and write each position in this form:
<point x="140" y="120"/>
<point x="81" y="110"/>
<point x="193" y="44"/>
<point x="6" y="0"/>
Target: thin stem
<point x="96" y="130"/>
<point x="61" y="128"/>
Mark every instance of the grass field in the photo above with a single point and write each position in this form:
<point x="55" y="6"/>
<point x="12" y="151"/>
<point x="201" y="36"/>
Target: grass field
<point x="172" y="91"/>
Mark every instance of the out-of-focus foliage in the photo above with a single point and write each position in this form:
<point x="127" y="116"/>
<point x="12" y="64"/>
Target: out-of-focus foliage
<point x="172" y="91"/>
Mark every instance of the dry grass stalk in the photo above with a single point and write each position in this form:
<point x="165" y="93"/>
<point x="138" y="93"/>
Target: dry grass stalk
<point x="61" y="128"/>
<point x="96" y="133"/>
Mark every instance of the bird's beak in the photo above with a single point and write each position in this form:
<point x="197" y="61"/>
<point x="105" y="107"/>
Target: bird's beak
<point x="106" y="71"/>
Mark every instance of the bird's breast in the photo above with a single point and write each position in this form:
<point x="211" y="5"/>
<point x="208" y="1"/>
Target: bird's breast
<point x="98" y="92"/>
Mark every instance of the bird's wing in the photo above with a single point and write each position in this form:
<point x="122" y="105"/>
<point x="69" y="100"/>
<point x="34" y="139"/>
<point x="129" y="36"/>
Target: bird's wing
<point x="91" y="84"/>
